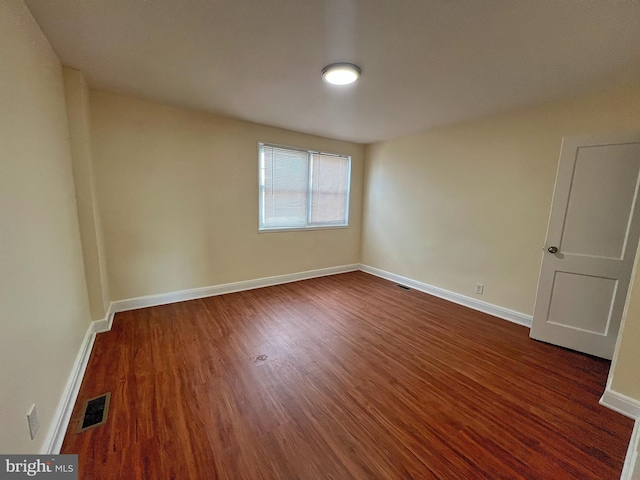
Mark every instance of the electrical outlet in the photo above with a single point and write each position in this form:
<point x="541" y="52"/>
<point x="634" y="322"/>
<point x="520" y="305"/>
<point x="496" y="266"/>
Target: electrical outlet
<point x="479" y="288"/>
<point x="32" y="419"/>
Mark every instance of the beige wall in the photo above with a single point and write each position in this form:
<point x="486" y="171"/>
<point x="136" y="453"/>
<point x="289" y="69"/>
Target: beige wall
<point x="44" y="311"/>
<point x="624" y="376"/>
<point x="178" y="197"/>
<point x="77" y="100"/>
<point x="469" y="203"/>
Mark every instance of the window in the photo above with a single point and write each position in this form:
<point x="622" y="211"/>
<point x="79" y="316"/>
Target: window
<point x="302" y="189"/>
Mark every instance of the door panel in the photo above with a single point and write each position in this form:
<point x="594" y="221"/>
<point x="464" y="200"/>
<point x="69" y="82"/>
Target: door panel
<point x="593" y="235"/>
<point x="593" y="181"/>
<point x="582" y="302"/>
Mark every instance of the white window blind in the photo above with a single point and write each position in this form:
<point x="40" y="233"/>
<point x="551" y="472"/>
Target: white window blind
<point x="302" y="189"/>
<point x="329" y="176"/>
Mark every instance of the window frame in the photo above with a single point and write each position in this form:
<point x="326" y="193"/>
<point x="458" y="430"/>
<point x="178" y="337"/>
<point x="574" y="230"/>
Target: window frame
<point x="309" y="225"/>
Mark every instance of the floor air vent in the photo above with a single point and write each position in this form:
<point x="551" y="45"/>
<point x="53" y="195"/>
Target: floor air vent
<point x="94" y="412"/>
<point x="403" y="286"/>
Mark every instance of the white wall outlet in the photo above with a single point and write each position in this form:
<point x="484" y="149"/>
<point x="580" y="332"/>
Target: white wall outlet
<point x="479" y="288"/>
<point x="32" y="419"/>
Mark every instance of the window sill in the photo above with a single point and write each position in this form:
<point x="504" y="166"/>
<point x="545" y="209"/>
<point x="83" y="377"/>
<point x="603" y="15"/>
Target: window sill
<point x="301" y="229"/>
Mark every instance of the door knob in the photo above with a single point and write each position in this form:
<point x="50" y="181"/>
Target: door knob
<point x="553" y="249"/>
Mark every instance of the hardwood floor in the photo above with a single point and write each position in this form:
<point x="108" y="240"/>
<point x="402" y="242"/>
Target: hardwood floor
<point x="341" y="377"/>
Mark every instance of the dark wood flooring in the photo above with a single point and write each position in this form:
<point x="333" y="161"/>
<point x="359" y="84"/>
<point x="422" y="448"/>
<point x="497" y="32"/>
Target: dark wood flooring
<point x="341" y="377"/>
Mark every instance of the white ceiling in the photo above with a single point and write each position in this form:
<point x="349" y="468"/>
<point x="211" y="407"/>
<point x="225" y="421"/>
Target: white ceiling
<point x="424" y="62"/>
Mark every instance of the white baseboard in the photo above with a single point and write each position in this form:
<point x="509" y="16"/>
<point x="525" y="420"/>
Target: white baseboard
<point x="104" y="325"/>
<point x="194" y="293"/>
<point x="496" y="311"/>
<point x="55" y="436"/>
<point x="627" y="406"/>
<point x="631" y="466"/>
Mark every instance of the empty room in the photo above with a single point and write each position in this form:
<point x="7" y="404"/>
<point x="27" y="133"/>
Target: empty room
<point x="333" y="239"/>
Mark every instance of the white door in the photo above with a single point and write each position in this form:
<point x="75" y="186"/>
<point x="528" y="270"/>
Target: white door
<point x="591" y="244"/>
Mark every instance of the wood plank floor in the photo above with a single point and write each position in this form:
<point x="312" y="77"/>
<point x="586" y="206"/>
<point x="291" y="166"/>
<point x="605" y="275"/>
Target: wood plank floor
<point x="341" y="377"/>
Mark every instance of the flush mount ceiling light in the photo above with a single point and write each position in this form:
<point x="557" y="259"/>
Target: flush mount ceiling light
<point x="341" y="73"/>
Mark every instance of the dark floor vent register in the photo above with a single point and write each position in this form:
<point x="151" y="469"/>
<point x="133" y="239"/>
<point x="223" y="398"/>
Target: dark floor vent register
<point x="94" y="412"/>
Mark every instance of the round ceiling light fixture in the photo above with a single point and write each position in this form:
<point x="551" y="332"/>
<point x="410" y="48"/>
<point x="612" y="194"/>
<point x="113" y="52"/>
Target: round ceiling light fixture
<point x="341" y="73"/>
